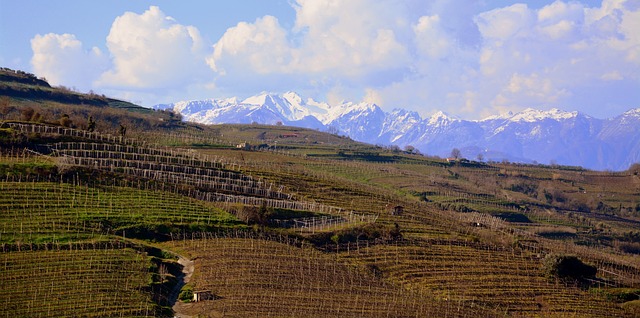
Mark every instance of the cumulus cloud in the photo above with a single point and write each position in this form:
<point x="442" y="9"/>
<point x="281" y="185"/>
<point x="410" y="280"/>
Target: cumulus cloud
<point x="62" y="59"/>
<point x="419" y="56"/>
<point x="467" y="59"/>
<point x="151" y="58"/>
<point x="261" y="47"/>
<point x="505" y="23"/>
<point x="336" y="39"/>
<point x="153" y="51"/>
<point x="328" y="46"/>
<point x="556" y="52"/>
<point x="431" y="40"/>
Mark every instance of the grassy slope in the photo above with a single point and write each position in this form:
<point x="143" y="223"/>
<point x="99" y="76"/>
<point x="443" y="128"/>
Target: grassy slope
<point x="441" y="255"/>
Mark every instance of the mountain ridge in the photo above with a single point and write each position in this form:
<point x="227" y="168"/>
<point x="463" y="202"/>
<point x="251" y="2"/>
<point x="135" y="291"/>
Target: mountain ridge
<point x="546" y="136"/>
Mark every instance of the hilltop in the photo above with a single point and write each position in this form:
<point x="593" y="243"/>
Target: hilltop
<point x="288" y="221"/>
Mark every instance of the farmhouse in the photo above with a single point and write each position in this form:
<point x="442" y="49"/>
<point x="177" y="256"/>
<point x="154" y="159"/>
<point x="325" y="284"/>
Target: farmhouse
<point x="243" y="145"/>
<point x="397" y="210"/>
<point x="203" y="295"/>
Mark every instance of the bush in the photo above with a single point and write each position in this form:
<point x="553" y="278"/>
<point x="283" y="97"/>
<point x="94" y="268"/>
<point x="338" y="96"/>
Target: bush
<point x="252" y="214"/>
<point x="360" y="233"/>
<point x="632" y="307"/>
<point x="568" y="268"/>
<point x="629" y="247"/>
<point x="186" y="294"/>
<point x="528" y="188"/>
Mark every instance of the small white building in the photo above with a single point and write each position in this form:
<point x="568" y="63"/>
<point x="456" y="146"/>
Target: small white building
<point x="200" y="295"/>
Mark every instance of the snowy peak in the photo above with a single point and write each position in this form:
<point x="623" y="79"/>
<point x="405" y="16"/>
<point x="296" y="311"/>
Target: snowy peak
<point x="195" y="106"/>
<point x="545" y="136"/>
<point x="293" y="98"/>
<point x="632" y="113"/>
<point x="505" y="116"/>
<point x="399" y="124"/>
<point x="349" y="109"/>
<point x="261" y="99"/>
<point x="533" y="115"/>
<point x="289" y="105"/>
<point x="440" y="119"/>
<point x="400" y="114"/>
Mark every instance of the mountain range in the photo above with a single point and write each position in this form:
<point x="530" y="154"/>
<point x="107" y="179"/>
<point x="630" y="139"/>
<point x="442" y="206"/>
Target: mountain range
<point x="548" y="137"/>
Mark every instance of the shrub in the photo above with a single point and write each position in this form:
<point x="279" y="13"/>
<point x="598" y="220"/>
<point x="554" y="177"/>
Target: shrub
<point x="528" y="188"/>
<point x="567" y="268"/>
<point x="629" y="247"/>
<point x="365" y="232"/>
<point x="65" y="121"/>
<point x="252" y="214"/>
<point x="632" y="307"/>
<point x="186" y="294"/>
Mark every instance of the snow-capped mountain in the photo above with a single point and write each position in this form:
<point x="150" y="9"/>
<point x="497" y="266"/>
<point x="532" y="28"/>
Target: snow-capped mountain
<point x="552" y="136"/>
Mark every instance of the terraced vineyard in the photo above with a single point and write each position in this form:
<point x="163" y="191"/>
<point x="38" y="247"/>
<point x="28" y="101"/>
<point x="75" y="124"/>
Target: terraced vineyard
<point x="39" y="212"/>
<point x="110" y="214"/>
<point x="507" y="281"/>
<point x="262" y="278"/>
<point x="76" y="280"/>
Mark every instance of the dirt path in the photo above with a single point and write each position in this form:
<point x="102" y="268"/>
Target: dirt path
<point x="183" y="279"/>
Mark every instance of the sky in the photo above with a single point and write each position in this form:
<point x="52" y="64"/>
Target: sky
<point x="470" y="59"/>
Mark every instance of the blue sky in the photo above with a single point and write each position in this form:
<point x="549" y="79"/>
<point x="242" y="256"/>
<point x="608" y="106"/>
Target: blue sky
<point x="467" y="58"/>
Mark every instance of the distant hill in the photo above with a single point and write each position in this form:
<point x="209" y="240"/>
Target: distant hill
<point x="19" y="84"/>
<point x="549" y="137"/>
<point x="25" y="97"/>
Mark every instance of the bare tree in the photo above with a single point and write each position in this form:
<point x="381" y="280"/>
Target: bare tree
<point x="456" y="154"/>
<point x="333" y="130"/>
<point x="91" y="124"/>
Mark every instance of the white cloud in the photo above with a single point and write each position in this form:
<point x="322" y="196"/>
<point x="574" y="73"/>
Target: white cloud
<point x="261" y="47"/>
<point x="329" y="45"/>
<point x="612" y="76"/>
<point x="152" y="51"/>
<point x="353" y="38"/>
<point x="373" y="97"/>
<point x="529" y="91"/>
<point x="439" y="55"/>
<point x="562" y="47"/>
<point x="431" y="39"/>
<point x="504" y="23"/>
<point x="61" y="59"/>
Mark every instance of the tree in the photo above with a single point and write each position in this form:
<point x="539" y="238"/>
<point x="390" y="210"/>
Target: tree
<point x="5" y="107"/>
<point x="65" y="121"/>
<point x="91" y="124"/>
<point x="333" y="130"/>
<point x="409" y="149"/>
<point x="27" y="114"/>
<point x="480" y="157"/>
<point x="123" y="130"/>
<point x="456" y="154"/>
<point x="568" y="268"/>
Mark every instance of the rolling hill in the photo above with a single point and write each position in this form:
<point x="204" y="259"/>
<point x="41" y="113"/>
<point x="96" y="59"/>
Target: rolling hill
<point x="287" y="221"/>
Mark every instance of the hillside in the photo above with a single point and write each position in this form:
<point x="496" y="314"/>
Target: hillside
<point x="285" y="221"/>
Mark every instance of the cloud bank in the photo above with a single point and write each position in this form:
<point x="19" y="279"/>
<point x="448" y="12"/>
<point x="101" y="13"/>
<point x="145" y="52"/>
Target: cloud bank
<point x="466" y="59"/>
